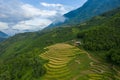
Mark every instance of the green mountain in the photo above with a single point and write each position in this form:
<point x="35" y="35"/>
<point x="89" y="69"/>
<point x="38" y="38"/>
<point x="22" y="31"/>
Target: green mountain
<point x="90" y="9"/>
<point x="2" y="39"/>
<point x="104" y="38"/>
<point x="51" y="55"/>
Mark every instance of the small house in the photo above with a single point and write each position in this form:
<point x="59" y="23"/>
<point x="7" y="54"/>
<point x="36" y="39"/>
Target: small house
<point x="77" y="43"/>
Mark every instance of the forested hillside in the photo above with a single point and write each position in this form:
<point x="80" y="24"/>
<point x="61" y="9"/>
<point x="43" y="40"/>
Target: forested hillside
<point x="19" y="58"/>
<point x="2" y="39"/>
<point x="104" y="38"/>
<point x="19" y="55"/>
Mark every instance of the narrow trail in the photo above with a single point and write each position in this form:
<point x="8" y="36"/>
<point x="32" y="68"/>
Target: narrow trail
<point x="115" y="69"/>
<point x="94" y="61"/>
<point x="91" y="57"/>
<point x="100" y="70"/>
<point x="77" y="61"/>
<point x="75" y="78"/>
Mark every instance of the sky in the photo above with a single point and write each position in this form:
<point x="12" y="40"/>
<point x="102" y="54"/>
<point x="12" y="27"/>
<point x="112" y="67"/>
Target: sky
<point x="18" y="16"/>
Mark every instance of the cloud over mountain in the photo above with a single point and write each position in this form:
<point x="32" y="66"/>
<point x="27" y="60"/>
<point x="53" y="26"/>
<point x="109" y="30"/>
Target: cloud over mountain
<point x="16" y="15"/>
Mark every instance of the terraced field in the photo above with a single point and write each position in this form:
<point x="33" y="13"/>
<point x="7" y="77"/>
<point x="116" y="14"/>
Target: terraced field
<point x="66" y="62"/>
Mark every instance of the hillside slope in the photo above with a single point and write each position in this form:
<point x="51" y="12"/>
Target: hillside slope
<point x="2" y="39"/>
<point x="104" y="38"/>
<point x="19" y="55"/>
<point x="3" y="36"/>
<point x="90" y="9"/>
<point x="67" y="62"/>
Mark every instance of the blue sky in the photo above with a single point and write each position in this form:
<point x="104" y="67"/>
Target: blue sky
<point x="18" y="16"/>
<point x="74" y="3"/>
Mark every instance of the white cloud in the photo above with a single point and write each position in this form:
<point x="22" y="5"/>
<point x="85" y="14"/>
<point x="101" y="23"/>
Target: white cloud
<point x="58" y="19"/>
<point x="58" y="7"/>
<point x="31" y="11"/>
<point x="32" y="25"/>
<point x="3" y="25"/>
<point x="3" y="16"/>
<point x="19" y="17"/>
<point x="51" y="5"/>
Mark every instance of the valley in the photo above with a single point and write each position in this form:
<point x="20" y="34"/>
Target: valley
<point x="84" y="47"/>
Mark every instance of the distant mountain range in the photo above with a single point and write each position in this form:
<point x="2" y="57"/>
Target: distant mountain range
<point x="3" y="36"/>
<point x="90" y="9"/>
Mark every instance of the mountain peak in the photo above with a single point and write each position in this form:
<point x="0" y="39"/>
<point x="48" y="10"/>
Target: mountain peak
<point x="90" y="9"/>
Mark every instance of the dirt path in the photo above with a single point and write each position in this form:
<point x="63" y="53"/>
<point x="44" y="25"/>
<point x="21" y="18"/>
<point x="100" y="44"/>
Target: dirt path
<point x="77" y="61"/>
<point x="91" y="57"/>
<point x="92" y="63"/>
<point x="115" y="69"/>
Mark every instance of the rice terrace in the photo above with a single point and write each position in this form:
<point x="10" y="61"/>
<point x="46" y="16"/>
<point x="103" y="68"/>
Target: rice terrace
<point x="66" y="62"/>
<point x="59" y="39"/>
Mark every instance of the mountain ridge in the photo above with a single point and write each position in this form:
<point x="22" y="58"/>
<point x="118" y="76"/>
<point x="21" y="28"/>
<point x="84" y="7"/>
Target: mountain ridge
<point x="3" y="36"/>
<point x="90" y="9"/>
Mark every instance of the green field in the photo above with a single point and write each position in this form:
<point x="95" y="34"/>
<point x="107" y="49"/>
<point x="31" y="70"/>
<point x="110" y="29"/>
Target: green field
<point x="66" y="62"/>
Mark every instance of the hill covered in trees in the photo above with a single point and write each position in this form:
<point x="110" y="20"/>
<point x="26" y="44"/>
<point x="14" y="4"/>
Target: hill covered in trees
<point x="104" y="38"/>
<point x="19" y="55"/>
